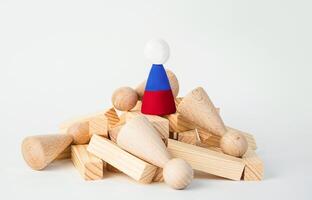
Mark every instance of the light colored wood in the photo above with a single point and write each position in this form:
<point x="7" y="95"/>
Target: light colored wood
<point x="80" y="132"/>
<point x="178" y="173"/>
<point x="132" y="166"/>
<point x="177" y="100"/>
<point x="99" y="126"/>
<point x="89" y="166"/>
<point x="197" y="107"/>
<point x="173" y="81"/>
<point x="111" y="168"/>
<point x="210" y="139"/>
<point x="137" y="107"/>
<point x="112" y="117"/>
<point x="85" y="118"/>
<point x="66" y="154"/>
<point x="206" y="160"/>
<point x="189" y="137"/>
<point x="39" y="151"/>
<point x="158" y="175"/>
<point x="113" y="133"/>
<point x="233" y="143"/>
<point x="254" y="168"/>
<point x="160" y="124"/>
<point x="140" y="138"/>
<point x="124" y="98"/>
<point x="177" y="123"/>
<point x="249" y="137"/>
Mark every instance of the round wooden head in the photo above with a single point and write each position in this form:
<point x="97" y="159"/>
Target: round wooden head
<point x="178" y="174"/>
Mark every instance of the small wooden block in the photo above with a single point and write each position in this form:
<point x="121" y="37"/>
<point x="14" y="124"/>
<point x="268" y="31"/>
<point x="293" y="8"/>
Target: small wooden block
<point x="99" y="125"/>
<point x="65" y="125"/>
<point x="158" y="175"/>
<point x="254" y="168"/>
<point x="206" y="160"/>
<point x="112" y="117"/>
<point x="160" y="124"/>
<point x="189" y="137"/>
<point x="66" y="154"/>
<point x="177" y="123"/>
<point x="132" y="166"/>
<point x="89" y="166"/>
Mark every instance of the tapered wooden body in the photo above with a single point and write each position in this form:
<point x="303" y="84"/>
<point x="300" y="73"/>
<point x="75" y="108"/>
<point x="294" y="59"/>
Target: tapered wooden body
<point x="197" y="107"/>
<point x="140" y="138"/>
<point x="39" y="151"/>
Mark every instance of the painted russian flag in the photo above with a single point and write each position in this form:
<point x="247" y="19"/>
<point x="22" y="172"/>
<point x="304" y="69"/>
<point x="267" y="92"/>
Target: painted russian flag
<point x="158" y="98"/>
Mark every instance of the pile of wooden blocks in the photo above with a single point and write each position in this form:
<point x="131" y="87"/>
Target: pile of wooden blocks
<point x="183" y="138"/>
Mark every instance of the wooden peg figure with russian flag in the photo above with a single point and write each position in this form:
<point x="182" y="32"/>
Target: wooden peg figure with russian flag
<point x="158" y="98"/>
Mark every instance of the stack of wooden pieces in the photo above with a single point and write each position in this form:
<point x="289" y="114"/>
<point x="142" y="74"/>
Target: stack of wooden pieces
<point x="150" y="148"/>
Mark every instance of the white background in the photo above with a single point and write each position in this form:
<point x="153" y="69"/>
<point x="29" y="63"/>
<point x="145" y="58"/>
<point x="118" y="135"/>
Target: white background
<point x="60" y="59"/>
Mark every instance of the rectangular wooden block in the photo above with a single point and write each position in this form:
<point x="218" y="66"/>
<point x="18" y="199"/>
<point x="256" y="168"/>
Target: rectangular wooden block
<point x="160" y="124"/>
<point x="206" y="160"/>
<point x="99" y="123"/>
<point x="66" y="124"/>
<point x="189" y="137"/>
<point x="89" y="166"/>
<point x="127" y="163"/>
<point x="254" y="168"/>
<point x="112" y="117"/>
<point x="177" y="123"/>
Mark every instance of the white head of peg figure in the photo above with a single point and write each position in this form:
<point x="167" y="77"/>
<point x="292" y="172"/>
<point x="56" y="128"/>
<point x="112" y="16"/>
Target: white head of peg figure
<point x="157" y="51"/>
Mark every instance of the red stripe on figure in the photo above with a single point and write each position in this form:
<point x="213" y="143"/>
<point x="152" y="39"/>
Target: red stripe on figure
<point x="158" y="102"/>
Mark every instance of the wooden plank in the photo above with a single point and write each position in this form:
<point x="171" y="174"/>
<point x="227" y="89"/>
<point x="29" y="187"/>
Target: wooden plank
<point x="160" y="124"/>
<point x="89" y="166"/>
<point x="206" y="160"/>
<point x="132" y="166"/>
<point x="254" y="168"/>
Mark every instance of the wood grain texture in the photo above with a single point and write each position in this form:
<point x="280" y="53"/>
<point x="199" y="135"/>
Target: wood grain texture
<point x="40" y="150"/>
<point x="85" y="118"/>
<point x="254" y="169"/>
<point x="158" y="175"/>
<point x="132" y="166"/>
<point x="211" y="139"/>
<point x="140" y="138"/>
<point x="197" y="107"/>
<point x="89" y="166"/>
<point x="177" y="123"/>
<point x="189" y="137"/>
<point x="160" y="124"/>
<point x="206" y="160"/>
<point x="112" y="117"/>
